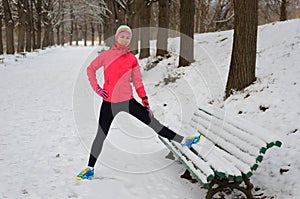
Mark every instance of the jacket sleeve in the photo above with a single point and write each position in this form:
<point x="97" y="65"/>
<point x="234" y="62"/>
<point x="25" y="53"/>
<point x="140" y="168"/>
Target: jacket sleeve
<point x="137" y="79"/>
<point x="91" y="72"/>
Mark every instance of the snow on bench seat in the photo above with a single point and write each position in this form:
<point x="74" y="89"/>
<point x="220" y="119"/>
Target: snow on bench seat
<point x="200" y="169"/>
<point x="224" y="165"/>
<point x="270" y="138"/>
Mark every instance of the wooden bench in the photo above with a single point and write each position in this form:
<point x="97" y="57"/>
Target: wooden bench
<point x="229" y="153"/>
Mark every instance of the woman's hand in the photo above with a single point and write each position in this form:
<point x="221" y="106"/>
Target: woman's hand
<point x="102" y="93"/>
<point x="145" y="103"/>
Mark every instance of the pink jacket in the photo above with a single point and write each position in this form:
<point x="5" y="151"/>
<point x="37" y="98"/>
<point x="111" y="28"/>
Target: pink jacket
<point x="120" y="66"/>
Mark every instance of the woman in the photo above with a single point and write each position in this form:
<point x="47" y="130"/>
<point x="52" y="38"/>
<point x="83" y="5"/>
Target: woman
<point x="120" y="66"/>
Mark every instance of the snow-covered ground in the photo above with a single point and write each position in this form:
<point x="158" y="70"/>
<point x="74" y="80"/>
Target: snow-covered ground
<point x="48" y="119"/>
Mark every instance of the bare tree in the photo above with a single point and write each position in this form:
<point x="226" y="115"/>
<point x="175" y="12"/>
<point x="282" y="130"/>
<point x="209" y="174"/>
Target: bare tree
<point x="9" y="28"/>
<point x="1" y="36"/>
<point x="163" y="24"/>
<point x="283" y="15"/>
<point x="38" y="5"/>
<point x="243" y="57"/>
<point x="134" y="12"/>
<point x="21" y="26"/>
<point x="145" y="30"/>
<point x="28" y="26"/>
<point x="187" y="12"/>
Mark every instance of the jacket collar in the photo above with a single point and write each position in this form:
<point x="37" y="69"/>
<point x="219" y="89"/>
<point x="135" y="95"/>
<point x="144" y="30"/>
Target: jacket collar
<point x="123" y="49"/>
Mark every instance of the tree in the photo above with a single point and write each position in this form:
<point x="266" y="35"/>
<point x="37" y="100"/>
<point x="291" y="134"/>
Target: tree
<point x="109" y="24"/>
<point x="187" y="12"/>
<point x="145" y="30"/>
<point x="38" y="5"/>
<point x="163" y="24"/>
<point x="28" y="26"/>
<point x="283" y="16"/>
<point x="21" y="26"/>
<point x="1" y="36"/>
<point x="9" y="28"/>
<point x="243" y="57"/>
<point x="133" y="22"/>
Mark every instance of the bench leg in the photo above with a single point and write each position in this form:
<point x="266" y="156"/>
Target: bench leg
<point x="218" y="185"/>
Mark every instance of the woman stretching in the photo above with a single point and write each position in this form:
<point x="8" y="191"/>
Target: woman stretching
<point x="120" y="66"/>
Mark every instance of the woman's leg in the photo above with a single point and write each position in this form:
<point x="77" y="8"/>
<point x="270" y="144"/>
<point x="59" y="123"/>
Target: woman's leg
<point x="105" y="119"/>
<point x="141" y="113"/>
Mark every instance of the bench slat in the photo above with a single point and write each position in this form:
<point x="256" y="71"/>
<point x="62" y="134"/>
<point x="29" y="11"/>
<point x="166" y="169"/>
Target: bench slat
<point x="199" y="163"/>
<point x="229" y="147"/>
<point x="207" y="151"/>
<point x="246" y="137"/>
<point x="196" y="172"/>
<point x="250" y="127"/>
<point x="221" y="131"/>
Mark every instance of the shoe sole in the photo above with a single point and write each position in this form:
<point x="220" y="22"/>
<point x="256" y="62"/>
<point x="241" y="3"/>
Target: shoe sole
<point x="80" y="178"/>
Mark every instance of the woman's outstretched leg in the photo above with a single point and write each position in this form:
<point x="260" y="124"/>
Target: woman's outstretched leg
<point x="141" y="113"/>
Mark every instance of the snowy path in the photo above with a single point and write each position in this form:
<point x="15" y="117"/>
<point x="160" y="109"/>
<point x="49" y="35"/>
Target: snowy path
<point x="41" y="150"/>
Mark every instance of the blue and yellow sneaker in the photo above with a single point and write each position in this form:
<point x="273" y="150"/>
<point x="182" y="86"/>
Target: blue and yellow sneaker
<point x="190" y="140"/>
<point x="87" y="173"/>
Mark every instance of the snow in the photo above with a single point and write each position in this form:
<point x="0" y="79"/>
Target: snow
<point x="49" y="117"/>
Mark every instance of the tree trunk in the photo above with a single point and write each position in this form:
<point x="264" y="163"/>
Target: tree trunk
<point x="163" y="24"/>
<point x="243" y="57"/>
<point x="46" y="21"/>
<point x="187" y="12"/>
<point x="203" y="16"/>
<point x="9" y="27"/>
<point x="76" y="34"/>
<point x="28" y="26"/>
<point x="32" y="26"/>
<point x="85" y="33"/>
<point x="93" y="34"/>
<point x="21" y="26"/>
<point x="39" y="23"/>
<point x="283" y="16"/>
<point x="99" y="28"/>
<point x="134" y="23"/>
<point x="72" y="16"/>
<point x="1" y="36"/>
<point x="145" y="30"/>
<point x="109" y="24"/>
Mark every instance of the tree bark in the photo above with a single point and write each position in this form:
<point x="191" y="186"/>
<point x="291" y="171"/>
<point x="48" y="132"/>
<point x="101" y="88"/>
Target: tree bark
<point x="187" y="12"/>
<point x="243" y="57"/>
<point x="72" y="16"/>
<point x="76" y="33"/>
<point x="39" y="23"/>
<point x="145" y="30"/>
<point x="134" y="13"/>
<point x="283" y="16"/>
<point x="109" y="24"/>
<point x="32" y="21"/>
<point x="9" y="27"/>
<point x="204" y="11"/>
<point x="85" y="32"/>
<point x="163" y="30"/>
<point x="1" y="36"/>
<point x="93" y="34"/>
<point x="28" y="46"/>
<point x="99" y="28"/>
<point x="21" y="26"/>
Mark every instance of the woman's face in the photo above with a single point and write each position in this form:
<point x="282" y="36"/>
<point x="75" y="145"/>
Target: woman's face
<point x="124" y="39"/>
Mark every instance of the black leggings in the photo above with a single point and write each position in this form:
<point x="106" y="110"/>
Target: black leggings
<point x="110" y="110"/>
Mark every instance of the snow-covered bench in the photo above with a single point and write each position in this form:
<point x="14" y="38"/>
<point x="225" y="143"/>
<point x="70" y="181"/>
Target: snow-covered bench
<point x="229" y="152"/>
